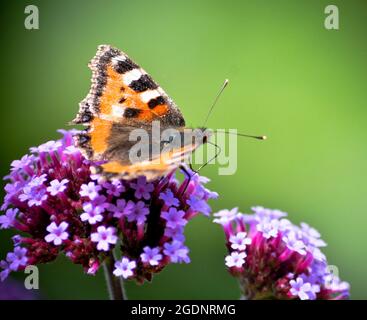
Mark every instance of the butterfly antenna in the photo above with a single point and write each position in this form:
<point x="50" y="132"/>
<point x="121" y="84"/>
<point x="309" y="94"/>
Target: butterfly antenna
<point x="215" y="101"/>
<point x="242" y="135"/>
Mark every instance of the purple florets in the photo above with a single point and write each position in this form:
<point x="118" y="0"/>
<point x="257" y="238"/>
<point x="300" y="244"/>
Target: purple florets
<point x="151" y="256"/>
<point x="57" y="234"/>
<point x="275" y="259"/>
<point x="60" y="207"/>
<point x="124" y="268"/>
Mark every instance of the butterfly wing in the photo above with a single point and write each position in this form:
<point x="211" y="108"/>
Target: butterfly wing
<point x="121" y="93"/>
<point x="159" y="157"/>
<point x="122" y="98"/>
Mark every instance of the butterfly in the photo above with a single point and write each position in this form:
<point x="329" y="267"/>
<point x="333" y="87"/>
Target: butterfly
<point x="124" y="98"/>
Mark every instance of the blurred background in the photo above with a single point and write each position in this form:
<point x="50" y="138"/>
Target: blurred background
<point x="303" y="86"/>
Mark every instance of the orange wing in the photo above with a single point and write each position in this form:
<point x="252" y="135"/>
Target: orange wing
<point x="151" y="169"/>
<point x="121" y="93"/>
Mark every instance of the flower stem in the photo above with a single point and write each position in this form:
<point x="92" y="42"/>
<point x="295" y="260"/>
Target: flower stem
<point x="115" y="284"/>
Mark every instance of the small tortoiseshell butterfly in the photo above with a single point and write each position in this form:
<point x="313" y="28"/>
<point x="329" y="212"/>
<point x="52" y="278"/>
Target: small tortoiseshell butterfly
<point x="123" y="97"/>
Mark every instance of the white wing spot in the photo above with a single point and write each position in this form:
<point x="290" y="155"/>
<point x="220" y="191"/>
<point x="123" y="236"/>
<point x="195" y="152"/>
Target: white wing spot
<point x="131" y="76"/>
<point x="117" y="110"/>
<point x="115" y="60"/>
<point x="146" y="96"/>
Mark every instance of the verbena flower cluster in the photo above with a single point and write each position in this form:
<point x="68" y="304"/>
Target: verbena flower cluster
<point x="57" y="207"/>
<point x="275" y="259"/>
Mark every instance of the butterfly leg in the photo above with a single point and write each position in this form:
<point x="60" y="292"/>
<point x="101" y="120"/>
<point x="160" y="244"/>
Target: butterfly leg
<point x="189" y="176"/>
<point x="213" y="158"/>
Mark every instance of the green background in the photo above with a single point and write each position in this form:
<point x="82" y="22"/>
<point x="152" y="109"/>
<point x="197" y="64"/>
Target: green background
<point x="290" y="78"/>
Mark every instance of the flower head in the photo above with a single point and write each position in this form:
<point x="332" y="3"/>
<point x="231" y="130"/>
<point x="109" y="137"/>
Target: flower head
<point x="57" y="233"/>
<point x="17" y="258"/>
<point x="8" y="220"/>
<point x="58" y="207"/>
<point x="273" y="258"/>
<point x="169" y="199"/>
<point x="176" y="251"/>
<point x="301" y="289"/>
<point x="142" y="188"/>
<point x="151" y="256"/>
<point x="199" y="204"/>
<point x="90" y="190"/>
<point x="239" y="241"/>
<point x="114" y="188"/>
<point x="57" y="186"/>
<point x="104" y="237"/>
<point x="92" y="213"/>
<point x="138" y="213"/>
<point x="236" y="259"/>
<point x="174" y="218"/>
<point x="122" y="208"/>
<point x="124" y="268"/>
<point x="34" y="192"/>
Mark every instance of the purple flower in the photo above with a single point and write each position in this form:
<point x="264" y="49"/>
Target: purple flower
<point x="124" y="268"/>
<point x="174" y="218"/>
<point x="225" y="216"/>
<point x="176" y="251"/>
<point x="335" y="284"/>
<point x="57" y="186"/>
<point x="142" y="188"/>
<point x="138" y="213"/>
<point x="301" y="289"/>
<point x="7" y="220"/>
<point x="25" y="161"/>
<point x="104" y="237"/>
<point x="114" y="188"/>
<point x="202" y="192"/>
<point x="169" y="199"/>
<point x="34" y="192"/>
<point x="48" y="147"/>
<point x="236" y="259"/>
<point x="239" y="241"/>
<point x="151" y="256"/>
<point x="282" y="259"/>
<point x="199" y="205"/>
<point x="92" y="213"/>
<point x="317" y="254"/>
<point x="311" y="236"/>
<point x="57" y="233"/>
<point x="269" y="229"/>
<point x="71" y="151"/>
<point x="59" y="207"/>
<point x="175" y="233"/>
<point x="294" y="244"/>
<point x="268" y="214"/>
<point x="90" y="190"/>
<point x="93" y="210"/>
<point x="122" y="208"/>
<point x="17" y="258"/>
<point x="99" y="204"/>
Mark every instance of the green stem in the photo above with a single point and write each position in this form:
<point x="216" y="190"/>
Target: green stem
<point x="115" y="284"/>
